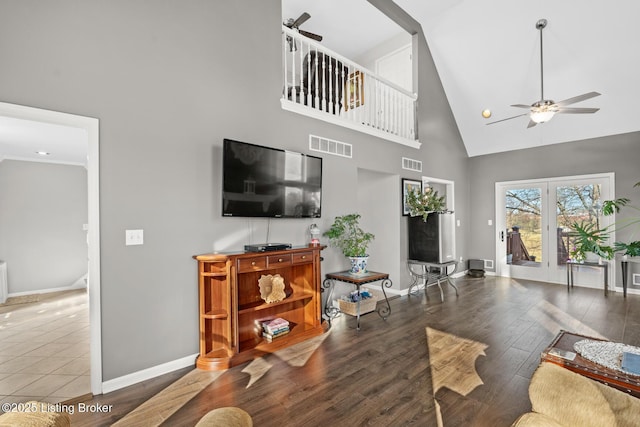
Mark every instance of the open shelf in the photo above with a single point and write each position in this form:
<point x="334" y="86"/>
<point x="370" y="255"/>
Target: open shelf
<point x="216" y="274"/>
<point x="261" y="305"/>
<point x="216" y="314"/>
<point x="261" y="344"/>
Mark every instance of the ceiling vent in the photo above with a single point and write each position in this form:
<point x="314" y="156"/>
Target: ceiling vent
<point x="330" y="146"/>
<point x="411" y="164"/>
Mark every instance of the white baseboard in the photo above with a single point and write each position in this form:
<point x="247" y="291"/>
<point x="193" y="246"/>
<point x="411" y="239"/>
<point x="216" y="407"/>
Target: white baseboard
<point x="459" y="274"/>
<point x="147" y="374"/>
<point x="77" y="285"/>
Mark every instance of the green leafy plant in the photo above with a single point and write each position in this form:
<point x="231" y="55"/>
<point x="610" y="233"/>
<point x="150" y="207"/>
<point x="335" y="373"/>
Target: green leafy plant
<point x="630" y="249"/>
<point x="609" y="207"/>
<point x="590" y="238"/>
<point x="425" y="203"/>
<point x="345" y="233"/>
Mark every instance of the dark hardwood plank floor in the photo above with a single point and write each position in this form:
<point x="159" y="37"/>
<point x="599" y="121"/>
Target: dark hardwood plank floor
<point x="466" y="361"/>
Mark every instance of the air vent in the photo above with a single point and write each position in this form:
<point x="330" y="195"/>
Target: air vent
<point x="635" y="279"/>
<point x="488" y="264"/>
<point x="330" y="146"/>
<point x="411" y="164"/>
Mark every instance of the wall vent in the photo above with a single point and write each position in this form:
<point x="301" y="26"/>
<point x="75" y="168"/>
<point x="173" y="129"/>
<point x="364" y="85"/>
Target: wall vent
<point x="635" y="279"/>
<point x="488" y="264"/>
<point x="411" y="164"/>
<point x="330" y="146"/>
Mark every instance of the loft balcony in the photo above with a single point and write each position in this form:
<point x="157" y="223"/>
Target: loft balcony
<point x="322" y="84"/>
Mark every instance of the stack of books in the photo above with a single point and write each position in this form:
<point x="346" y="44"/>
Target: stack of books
<point x="275" y="328"/>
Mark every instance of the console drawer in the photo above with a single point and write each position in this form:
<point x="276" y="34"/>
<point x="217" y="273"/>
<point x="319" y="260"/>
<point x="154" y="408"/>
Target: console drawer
<point x="252" y="264"/>
<point x="276" y="261"/>
<point x="303" y="257"/>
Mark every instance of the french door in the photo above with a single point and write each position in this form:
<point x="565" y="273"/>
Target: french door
<point x="535" y="221"/>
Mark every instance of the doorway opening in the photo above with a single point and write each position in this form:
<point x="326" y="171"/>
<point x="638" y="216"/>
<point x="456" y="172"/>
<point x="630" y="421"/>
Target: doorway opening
<point x="90" y="127"/>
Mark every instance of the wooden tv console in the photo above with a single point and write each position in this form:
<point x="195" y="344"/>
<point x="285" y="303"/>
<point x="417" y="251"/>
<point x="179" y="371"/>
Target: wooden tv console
<point x="231" y="309"/>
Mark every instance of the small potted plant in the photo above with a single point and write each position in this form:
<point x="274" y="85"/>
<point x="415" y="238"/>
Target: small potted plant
<point x="628" y="249"/>
<point x="345" y="234"/>
<point x="425" y="203"/>
<point x="590" y="243"/>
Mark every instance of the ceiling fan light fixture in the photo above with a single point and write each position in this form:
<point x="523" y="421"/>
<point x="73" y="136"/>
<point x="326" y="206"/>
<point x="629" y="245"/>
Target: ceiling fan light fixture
<point x="541" y="116"/>
<point x="544" y="110"/>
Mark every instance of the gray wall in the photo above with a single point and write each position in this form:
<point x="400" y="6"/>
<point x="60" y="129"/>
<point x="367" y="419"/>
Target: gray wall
<point x="619" y="154"/>
<point x="168" y="81"/>
<point x="42" y="209"/>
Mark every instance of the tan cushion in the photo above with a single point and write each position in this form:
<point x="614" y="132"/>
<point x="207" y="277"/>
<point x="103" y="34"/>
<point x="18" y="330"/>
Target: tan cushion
<point x="34" y="416"/>
<point x="574" y="400"/>
<point x="226" y="417"/>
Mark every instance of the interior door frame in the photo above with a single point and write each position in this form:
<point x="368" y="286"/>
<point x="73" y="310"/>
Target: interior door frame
<point x="91" y="126"/>
<point x="500" y="225"/>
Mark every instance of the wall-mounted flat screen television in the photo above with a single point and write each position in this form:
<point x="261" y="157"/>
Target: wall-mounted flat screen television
<point x="268" y="182"/>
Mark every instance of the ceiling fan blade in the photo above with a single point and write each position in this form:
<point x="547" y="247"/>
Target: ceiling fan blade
<point x="575" y="110"/>
<point x="508" y="118"/>
<point x="578" y="98"/>
<point x="310" y="35"/>
<point x="531" y="124"/>
<point x="528" y="107"/>
<point x="301" y="20"/>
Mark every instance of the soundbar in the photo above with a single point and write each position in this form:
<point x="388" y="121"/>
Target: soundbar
<point x="265" y="247"/>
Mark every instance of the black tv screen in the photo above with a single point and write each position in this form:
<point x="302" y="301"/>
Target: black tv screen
<point x="267" y="182"/>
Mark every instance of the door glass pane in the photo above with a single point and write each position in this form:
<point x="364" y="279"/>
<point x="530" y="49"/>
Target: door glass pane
<point x="575" y="204"/>
<point x="524" y="226"/>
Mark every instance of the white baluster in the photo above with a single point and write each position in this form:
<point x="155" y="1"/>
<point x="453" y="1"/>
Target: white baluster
<point x="294" y="92"/>
<point x="308" y="79"/>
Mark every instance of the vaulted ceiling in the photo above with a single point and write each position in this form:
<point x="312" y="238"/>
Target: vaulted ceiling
<point x="488" y="57"/>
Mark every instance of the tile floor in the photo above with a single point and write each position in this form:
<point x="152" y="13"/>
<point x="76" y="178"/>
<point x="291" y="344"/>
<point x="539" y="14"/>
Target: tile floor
<point x="44" y="348"/>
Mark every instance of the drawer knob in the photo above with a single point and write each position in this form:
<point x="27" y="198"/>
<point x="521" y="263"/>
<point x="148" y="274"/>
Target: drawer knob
<point x="304" y="257"/>
<point x="279" y="259"/>
<point x="253" y="263"/>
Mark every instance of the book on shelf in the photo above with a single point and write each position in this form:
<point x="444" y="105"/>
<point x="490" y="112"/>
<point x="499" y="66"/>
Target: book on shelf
<point x="271" y="337"/>
<point x="275" y="325"/>
<point x="631" y="363"/>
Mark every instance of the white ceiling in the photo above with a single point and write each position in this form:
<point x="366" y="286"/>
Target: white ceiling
<point x="22" y="139"/>
<point x="487" y="55"/>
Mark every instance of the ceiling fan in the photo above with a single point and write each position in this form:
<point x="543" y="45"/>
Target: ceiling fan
<point x="294" y="24"/>
<point x="544" y="110"/>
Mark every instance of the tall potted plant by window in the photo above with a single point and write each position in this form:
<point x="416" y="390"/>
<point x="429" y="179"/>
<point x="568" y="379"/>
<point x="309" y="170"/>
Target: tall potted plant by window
<point x="609" y="207"/>
<point x="345" y="234"/>
<point x="590" y="239"/>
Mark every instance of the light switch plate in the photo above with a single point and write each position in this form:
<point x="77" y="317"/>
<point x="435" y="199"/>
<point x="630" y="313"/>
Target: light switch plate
<point x="134" y="237"/>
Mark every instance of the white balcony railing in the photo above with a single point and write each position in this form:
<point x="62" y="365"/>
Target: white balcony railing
<point x="327" y="86"/>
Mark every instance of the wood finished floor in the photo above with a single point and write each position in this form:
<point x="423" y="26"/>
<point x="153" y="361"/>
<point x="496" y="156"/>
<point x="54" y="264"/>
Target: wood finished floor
<point x="466" y="361"/>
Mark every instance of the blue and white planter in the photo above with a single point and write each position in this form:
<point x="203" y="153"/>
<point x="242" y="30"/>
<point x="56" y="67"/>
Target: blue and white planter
<point x="358" y="264"/>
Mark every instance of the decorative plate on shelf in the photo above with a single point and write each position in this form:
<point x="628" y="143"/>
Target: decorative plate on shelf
<point x="271" y="288"/>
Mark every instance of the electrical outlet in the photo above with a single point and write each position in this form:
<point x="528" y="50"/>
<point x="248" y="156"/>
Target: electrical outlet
<point x="134" y="237"/>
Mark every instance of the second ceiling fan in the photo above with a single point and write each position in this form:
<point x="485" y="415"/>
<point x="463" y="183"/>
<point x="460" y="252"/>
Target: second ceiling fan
<point x="544" y="110"/>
